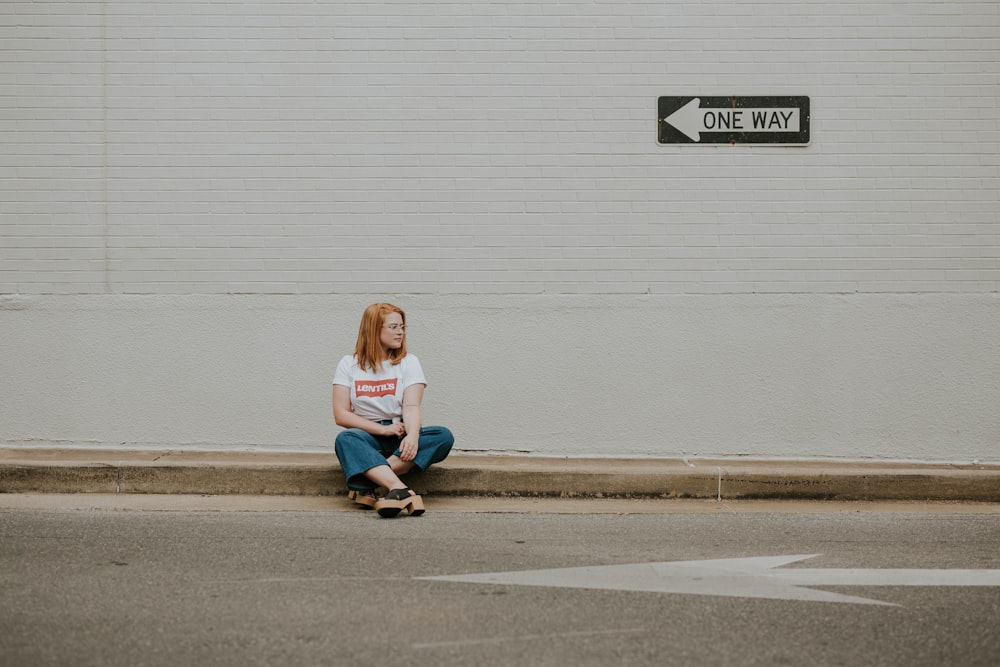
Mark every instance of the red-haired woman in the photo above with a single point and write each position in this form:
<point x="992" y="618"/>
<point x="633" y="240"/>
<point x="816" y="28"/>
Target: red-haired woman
<point x="376" y="398"/>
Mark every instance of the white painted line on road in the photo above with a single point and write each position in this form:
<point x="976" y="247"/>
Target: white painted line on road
<point x="733" y="577"/>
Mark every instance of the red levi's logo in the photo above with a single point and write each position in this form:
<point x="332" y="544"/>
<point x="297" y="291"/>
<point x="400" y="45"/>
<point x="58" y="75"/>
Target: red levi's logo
<point x="375" y="388"/>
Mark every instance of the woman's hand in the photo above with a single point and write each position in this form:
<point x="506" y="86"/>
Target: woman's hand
<point x="408" y="447"/>
<point x="397" y="429"/>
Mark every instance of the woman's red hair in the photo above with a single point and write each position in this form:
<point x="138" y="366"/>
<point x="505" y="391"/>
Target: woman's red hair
<point x="369" y="348"/>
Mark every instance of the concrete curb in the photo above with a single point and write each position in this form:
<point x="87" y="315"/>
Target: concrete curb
<point x="71" y="470"/>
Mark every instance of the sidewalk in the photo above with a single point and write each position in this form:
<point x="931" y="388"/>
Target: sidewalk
<point x="73" y="470"/>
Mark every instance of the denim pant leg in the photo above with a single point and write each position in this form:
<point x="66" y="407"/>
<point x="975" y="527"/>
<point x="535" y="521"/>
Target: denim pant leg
<point x="434" y="445"/>
<point x="359" y="452"/>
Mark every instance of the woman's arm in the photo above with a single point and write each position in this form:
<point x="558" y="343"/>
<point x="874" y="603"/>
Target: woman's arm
<point x="412" y="397"/>
<point x="345" y="418"/>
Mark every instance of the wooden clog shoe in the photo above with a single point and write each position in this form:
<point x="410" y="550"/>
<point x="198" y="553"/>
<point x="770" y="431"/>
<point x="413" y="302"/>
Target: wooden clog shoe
<point x="397" y="500"/>
<point x="366" y="499"/>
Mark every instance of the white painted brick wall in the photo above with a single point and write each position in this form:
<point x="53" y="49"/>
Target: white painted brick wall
<point x="493" y="147"/>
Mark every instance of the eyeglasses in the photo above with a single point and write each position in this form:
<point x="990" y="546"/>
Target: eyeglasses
<point x="396" y="327"/>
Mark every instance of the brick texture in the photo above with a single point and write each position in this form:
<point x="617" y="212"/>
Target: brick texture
<point x="173" y="147"/>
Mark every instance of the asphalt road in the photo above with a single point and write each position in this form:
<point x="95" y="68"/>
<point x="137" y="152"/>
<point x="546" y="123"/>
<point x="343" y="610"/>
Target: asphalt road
<point x="128" y="587"/>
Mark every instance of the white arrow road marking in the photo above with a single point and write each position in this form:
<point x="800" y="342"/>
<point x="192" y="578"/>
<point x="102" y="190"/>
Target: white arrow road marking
<point x="732" y="577"/>
<point x="692" y="120"/>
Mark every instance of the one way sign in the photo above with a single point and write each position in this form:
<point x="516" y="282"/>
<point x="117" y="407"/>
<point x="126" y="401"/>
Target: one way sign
<point x="733" y="120"/>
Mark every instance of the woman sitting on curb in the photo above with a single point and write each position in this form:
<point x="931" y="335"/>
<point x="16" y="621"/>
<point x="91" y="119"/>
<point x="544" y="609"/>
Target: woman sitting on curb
<point x="376" y="398"/>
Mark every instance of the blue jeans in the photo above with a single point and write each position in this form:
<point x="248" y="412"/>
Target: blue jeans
<point x="360" y="451"/>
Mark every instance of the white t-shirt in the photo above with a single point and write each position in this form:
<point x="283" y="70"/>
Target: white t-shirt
<point x="379" y="395"/>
